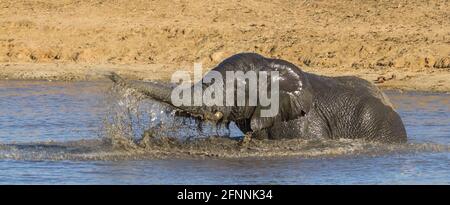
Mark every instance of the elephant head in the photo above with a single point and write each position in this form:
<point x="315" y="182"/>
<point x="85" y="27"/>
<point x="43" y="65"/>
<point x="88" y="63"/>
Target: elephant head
<point x="287" y="87"/>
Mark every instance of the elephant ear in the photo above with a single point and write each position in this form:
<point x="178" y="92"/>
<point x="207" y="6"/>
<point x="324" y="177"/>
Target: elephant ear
<point x="291" y="106"/>
<point x="259" y="123"/>
<point x="294" y="105"/>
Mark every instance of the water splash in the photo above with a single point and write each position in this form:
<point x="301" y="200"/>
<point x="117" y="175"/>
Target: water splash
<point x="131" y="116"/>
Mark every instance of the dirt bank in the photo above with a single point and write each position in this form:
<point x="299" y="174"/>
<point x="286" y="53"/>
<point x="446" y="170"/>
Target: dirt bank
<point x="399" y="44"/>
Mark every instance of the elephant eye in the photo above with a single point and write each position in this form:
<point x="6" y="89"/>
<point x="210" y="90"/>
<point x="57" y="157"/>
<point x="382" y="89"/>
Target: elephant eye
<point x="302" y="113"/>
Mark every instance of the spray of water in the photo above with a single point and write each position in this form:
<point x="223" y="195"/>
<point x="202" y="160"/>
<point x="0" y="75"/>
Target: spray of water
<point x="135" y="122"/>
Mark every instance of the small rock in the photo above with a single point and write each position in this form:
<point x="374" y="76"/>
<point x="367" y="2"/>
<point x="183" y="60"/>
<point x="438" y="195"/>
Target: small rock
<point x="442" y="63"/>
<point x="382" y="79"/>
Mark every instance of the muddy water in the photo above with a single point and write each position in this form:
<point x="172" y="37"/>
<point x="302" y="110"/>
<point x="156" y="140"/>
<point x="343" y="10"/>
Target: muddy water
<point x="54" y="133"/>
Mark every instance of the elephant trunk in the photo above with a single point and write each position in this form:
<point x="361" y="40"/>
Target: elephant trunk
<point x="155" y="90"/>
<point x="160" y="92"/>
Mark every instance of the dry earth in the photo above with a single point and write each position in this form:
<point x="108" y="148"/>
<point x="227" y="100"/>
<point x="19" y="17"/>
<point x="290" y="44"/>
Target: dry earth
<point x="399" y="44"/>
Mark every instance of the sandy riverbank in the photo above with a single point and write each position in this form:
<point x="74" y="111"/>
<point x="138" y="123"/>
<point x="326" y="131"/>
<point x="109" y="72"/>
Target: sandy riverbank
<point x="399" y="44"/>
<point x="427" y="80"/>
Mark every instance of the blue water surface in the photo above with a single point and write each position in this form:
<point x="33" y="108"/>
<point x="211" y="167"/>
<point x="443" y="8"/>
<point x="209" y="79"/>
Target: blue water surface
<point x="36" y="111"/>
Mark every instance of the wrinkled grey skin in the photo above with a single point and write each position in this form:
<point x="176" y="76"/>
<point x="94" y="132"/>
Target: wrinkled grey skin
<point x="311" y="106"/>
